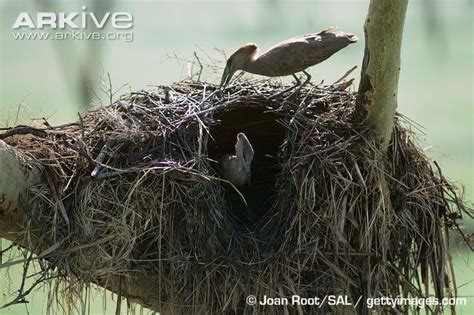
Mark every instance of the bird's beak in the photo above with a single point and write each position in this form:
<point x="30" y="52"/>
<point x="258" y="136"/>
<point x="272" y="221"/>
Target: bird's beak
<point x="226" y="76"/>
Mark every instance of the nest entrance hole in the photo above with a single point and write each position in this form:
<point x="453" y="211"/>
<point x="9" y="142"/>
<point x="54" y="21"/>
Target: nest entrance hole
<point x="266" y="135"/>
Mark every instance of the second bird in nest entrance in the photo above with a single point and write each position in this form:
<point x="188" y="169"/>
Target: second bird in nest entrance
<point x="237" y="168"/>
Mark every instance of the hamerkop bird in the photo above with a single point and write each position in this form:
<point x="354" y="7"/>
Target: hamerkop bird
<point x="236" y="168"/>
<point x="288" y="57"/>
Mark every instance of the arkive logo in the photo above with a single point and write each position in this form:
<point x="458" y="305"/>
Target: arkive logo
<point x="73" y="20"/>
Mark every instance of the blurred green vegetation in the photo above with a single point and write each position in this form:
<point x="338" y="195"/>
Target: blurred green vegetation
<point x="436" y="80"/>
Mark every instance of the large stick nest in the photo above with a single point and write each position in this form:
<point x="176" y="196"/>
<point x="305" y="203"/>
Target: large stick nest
<point x="132" y="188"/>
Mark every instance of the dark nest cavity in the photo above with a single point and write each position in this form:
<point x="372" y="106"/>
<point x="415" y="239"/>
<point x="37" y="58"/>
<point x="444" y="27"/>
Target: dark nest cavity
<point x="133" y="186"/>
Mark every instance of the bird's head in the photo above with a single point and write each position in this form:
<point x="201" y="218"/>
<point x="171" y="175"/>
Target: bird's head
<point x="238" y="61"/>
<point x="244" y="152"/>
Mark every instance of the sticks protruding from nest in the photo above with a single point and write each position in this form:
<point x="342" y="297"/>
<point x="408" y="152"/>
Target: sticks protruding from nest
<point x="166" y="213"/>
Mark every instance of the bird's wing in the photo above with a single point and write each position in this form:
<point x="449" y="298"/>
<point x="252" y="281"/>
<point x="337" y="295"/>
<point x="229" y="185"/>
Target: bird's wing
<point x="290" y="56"/>
<point x="302" y="39"/>
<point x="328" y="35"/>
<point x="298" y="53"/>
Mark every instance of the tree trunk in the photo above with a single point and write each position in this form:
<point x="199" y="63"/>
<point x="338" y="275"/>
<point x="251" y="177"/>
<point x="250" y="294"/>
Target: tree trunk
<point x="381" y="66"/>
<point x="377" y="96"/>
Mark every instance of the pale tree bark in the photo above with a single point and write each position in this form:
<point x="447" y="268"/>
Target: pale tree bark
<point x="15" y="178"/>
<point x="381" y="66"/>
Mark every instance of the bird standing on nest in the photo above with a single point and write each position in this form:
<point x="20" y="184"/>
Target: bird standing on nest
<point x="288" y="57"/>
<point x="237" y="168"/>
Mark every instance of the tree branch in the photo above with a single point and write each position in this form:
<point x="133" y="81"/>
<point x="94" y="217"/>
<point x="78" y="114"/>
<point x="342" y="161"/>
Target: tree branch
<point x="16" y="177"/>
<point x="377" y="96"/>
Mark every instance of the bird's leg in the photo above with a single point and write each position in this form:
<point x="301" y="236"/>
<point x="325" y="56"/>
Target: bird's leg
<point x="298" y="81"/>
<point x="301" y="85"/>
<point x="308" y="78"/>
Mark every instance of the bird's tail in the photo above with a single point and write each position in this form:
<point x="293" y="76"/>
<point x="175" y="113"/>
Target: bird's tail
<point x="332" y="31"/>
